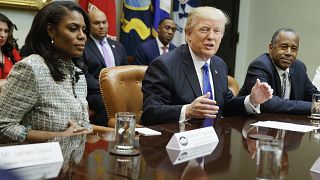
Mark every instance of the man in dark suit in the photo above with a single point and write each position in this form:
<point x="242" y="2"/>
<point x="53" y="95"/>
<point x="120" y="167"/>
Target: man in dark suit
<point x="150" y="49"/>
<point x="176" y="84"/>
<point x="284" y="73"/>
<point x="100" y="52"/>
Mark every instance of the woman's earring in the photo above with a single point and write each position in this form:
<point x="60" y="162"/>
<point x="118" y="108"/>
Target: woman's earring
<point x="52" y="42"/>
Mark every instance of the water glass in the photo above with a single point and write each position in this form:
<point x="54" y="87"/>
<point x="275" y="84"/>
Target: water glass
<point x="315" y="109"/>
<point x="269" y="153"/>
<point x="125" y="132"/>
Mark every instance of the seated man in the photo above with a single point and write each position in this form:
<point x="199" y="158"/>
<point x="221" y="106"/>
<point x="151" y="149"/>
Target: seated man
<point x="150" y="49"/>
<point x="286" y="75"/>
<point x="100" y="52"/>
<point x="191" y="82"/>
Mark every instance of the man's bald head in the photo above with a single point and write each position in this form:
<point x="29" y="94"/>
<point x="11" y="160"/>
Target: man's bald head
<point x="99" y="24"/>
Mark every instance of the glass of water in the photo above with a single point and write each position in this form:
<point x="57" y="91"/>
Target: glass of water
<point x="125" y="134"/>
<point x="269" y="154"/>
<point x="315" y="108"/>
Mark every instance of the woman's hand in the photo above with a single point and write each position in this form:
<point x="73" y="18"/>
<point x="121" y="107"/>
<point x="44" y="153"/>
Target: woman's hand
<point x="74" y="130"/>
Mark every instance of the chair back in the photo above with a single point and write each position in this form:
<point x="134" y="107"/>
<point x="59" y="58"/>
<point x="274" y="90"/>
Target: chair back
<point x="233" y="85"/>
<point x="120" y="88"/>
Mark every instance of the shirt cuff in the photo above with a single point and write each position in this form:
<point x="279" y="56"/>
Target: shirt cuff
<point x="250" y="108"/>
<point x="183" y="114"/>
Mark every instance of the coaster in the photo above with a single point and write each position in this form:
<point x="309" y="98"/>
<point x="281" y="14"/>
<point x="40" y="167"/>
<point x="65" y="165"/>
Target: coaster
<point x="131" y="152"/>
<point x="260" y="137"/>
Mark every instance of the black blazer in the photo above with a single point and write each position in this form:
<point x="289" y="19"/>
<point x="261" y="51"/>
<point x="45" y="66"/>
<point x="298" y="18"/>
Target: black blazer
<point x="301" y="87"/>
<point x="171" y="81"/>
<point x="94" y="61"/>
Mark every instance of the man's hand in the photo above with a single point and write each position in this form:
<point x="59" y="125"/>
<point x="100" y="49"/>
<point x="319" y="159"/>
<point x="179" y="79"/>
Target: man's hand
<point x="202" y="107"/>
<point x="260" y="93"/>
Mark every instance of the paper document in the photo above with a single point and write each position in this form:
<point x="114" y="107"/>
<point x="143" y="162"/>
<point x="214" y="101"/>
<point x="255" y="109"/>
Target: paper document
<point x="148" y="132"/>
<point x="285" y="126"/>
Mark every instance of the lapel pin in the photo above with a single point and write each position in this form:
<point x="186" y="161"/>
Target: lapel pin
<point x="113" y="46"/>
<point x="216" y="71"/>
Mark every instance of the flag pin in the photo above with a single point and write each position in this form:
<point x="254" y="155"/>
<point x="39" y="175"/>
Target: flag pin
<point x="113" y="46"/>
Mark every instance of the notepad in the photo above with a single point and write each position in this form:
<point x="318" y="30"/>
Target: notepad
<point x="147" y="132"/>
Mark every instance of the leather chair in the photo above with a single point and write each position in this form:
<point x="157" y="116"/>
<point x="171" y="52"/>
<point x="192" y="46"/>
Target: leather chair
<point x="121" y="90"/>
<point x="233" y="85"/>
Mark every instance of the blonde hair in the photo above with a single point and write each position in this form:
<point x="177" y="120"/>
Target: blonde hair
<point x="205" y="12"/>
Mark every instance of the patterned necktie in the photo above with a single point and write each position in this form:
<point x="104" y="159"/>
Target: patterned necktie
<point x="284" y="84"/>
<point x="165" y="49"/>
<point x="207" y="88"/>
<point x="105" y="54"/>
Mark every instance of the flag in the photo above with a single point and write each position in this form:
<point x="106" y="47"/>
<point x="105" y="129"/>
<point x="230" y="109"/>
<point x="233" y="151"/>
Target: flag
<point x="181" y="9"/>
<point x="136" y="23"/>
<point x="161" y="9"/>
<point x="106" y="6"/>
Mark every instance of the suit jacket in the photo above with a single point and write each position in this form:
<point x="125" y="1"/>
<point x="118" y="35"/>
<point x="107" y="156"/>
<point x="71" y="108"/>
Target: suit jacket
<point x="94" y="62"/>
<point x="171" y="81"/>
<point x="301" y="87"/>
<point x="148" y="51"/>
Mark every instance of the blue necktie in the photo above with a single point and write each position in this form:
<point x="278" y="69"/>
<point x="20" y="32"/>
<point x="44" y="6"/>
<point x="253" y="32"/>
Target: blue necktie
<point x="207" y="88"/>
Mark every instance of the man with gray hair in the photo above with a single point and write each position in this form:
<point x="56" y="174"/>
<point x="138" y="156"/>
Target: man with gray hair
<point x="190" y="82"/>
<point x="284" y="73"/>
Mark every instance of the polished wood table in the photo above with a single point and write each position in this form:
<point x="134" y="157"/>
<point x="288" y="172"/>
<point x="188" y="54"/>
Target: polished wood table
<point x="233" y="158"/>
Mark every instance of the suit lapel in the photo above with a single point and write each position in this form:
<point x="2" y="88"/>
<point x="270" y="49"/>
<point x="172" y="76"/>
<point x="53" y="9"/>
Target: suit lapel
<point x="114" y="49"/>
<point x="215" y="78"/>
<point x="155" y="47"/>
<point x="190" y="71"/>
<point x="292" y="78"/>
<point x="92" y="45"/>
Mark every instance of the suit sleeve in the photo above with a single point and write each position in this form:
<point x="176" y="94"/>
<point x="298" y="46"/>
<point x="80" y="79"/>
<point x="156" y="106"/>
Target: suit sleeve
<point x="17" y="98"/>
<point x="124" y="57"/>
<point x="139" y="57"/>
<point x="157" y="96"/>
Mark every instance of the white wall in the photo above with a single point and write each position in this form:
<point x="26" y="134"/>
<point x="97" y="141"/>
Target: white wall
<point x="259" y="19"/>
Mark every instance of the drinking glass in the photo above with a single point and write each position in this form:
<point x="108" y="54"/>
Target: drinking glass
<point x="125" y="134"/>
<point x="269" y="153"/>
<point x="315" y="108"/>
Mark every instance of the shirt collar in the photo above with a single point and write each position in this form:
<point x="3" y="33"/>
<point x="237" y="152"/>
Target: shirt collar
<point x="160" y="43"/>
<point x="98" y="41"/>
<point x="197" y="61"/>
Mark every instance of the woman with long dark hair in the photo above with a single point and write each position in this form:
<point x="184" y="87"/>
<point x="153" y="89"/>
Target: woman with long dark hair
<point x="44" y="98"/>
<point x="8" y="46"/>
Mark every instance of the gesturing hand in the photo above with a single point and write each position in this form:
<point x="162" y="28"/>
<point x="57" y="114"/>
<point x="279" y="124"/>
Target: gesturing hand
<point x="74" y="129"/>
<point x="202" y="107"/>
<point x="260" y="93"/>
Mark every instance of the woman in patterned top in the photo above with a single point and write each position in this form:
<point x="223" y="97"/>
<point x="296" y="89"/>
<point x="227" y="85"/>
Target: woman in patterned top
<point x="8" y="46"/>
<point x="44" y="98"/>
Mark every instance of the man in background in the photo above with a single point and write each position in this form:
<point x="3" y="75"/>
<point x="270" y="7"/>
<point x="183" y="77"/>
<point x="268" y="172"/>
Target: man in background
<point x="150" y="49"/>
<point x="100" y="52"/>
<point x="284" y="73"/>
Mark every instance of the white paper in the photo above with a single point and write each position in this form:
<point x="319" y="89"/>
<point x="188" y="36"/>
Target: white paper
<point x="285" y="126"/>
<point x="148" y="132"/>
<point x="30" y="155"/>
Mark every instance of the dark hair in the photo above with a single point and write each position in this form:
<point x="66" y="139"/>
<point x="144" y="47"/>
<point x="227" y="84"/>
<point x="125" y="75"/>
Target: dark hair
<point x="39" y="42"/>
<point x="276" y="34"/>
<point x="11" y="43"/>
<point x="166" y="18"/>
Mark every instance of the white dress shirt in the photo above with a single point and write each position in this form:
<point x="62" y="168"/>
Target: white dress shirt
<point x="160" y="46"/>
<point x="316" y="79"/>
<point x="288" y="87"/>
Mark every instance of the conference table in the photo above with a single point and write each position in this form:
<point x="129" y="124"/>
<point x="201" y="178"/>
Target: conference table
<point x="233" y="158"/>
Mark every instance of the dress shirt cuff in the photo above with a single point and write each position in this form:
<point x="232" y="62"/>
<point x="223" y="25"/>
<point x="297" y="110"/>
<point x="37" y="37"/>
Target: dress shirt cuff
<point x="183" y="114"/>
<point x="250" y="108"/>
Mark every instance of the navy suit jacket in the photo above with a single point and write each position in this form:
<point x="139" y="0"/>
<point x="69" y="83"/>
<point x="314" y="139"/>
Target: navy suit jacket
<point x="148" y="51"/>
<point x="301" y="87"/>
<point x="171" y="81"/>
<point x="94" y="62"/>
